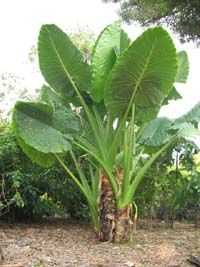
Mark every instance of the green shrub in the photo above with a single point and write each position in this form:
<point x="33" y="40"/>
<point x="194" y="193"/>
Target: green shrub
<point x="169" y="192"/>
<point x="32" y="192"/>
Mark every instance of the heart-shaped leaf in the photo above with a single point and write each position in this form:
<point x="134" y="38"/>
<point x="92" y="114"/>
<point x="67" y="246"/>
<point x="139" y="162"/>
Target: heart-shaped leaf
<point x="61" y="63"/>
<point x="143" y="74"/>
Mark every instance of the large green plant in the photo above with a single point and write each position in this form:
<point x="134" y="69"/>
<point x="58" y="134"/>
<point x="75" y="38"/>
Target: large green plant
<point x="110" y="112"/>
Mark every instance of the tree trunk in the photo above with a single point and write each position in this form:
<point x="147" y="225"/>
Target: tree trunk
<point x="197" y="219"/>
<point x="106" y="209"/>
<point x="123" y="225"/>
<point x="115" y="222"/>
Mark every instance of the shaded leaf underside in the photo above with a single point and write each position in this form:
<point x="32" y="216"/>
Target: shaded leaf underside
<point x="43" y="159"/>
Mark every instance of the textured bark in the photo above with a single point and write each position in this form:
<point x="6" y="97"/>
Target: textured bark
<point x="1" y="255"/>
<point x="123" y="225"/>
<point x="107" y="209"/>
<point x="115" y="222"/>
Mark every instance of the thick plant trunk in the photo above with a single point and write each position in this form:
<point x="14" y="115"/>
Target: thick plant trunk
<point x="123" y="225"/>
<point x="115" y="222"/>
<point x="106" y="209"/>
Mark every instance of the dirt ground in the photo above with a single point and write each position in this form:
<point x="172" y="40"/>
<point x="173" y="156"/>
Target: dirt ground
<point x="69" y="244"/>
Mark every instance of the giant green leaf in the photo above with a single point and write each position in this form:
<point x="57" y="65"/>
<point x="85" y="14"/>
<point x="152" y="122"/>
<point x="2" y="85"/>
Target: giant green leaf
<point x="186" y="129"/>
<point x="150" y="113"/>
<point x="156" y="133"/>
<point x="109" y="44"/>
<point x="173" y="95"/>
<point x="160" y="130"/>
<point x="61" y="63"/>
<point x="125" y="41"/>
<point x="66" y="121"/>
<point x="143" y="74"/>
<point x="43" y="159"/>
<point x="192" y="116"/>
<point x="50" y="97"/>
<point x="183" y="67"/>
<point x="43" y="129"/>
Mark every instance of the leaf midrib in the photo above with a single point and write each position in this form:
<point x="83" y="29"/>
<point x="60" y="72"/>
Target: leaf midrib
<point x="131" y="100"/>
<point x="142" y="74"/>
<point x="78" y="94"/>
<point x="59" y="58"/>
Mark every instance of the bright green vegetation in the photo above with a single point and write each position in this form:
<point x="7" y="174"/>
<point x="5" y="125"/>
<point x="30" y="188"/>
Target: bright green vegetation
<point x="110" y="110"/>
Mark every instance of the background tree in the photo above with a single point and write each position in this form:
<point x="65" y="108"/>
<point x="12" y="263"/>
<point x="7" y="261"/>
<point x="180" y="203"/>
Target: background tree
<point x="182" y="16"/>
<point x="84" y="39"/>
<point x="12" y="88"/>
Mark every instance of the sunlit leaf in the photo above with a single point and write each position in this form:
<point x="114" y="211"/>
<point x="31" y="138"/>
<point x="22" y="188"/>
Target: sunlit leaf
<point x="183" y="67"/>
<point x="61" y="63"/>
<point x="111" y="42"/>
<point x="143" y="74"/>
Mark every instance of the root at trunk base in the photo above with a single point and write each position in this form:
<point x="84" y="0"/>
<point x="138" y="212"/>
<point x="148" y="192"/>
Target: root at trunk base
<point x="115" y="222"/>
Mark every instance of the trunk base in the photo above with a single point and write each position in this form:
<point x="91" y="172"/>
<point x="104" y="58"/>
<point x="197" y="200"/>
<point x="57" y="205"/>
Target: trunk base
<point x="107" y="210"/>
<point x="123" y="225"/>
<point x="116" y="224"/>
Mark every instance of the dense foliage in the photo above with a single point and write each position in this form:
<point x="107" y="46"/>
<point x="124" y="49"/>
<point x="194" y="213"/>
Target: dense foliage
<point x="171" y="190"/>
<point x="32" y="192"/>
<point x="182" y="16"/>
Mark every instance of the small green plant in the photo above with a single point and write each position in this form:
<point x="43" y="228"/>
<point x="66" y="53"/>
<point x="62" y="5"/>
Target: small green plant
<point x="39" y="265"/>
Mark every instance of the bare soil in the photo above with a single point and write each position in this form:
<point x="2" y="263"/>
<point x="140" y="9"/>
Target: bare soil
<point x="69" y="244"/>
